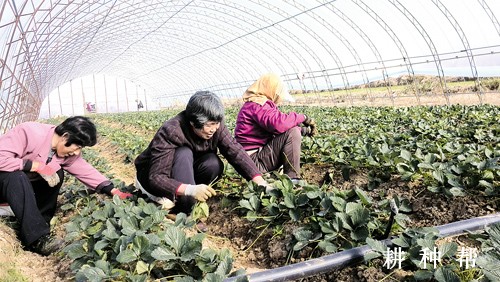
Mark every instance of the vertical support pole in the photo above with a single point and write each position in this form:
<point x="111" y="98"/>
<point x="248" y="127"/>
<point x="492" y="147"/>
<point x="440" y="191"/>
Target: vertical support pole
<point x="117" y="96"/>
<point x="83" y="95"/>
<point x="72" y="101"/>
<point x="48" y="104"/>
<point x="126" y="94"/>
<point x="95" y="92"/>
<point x="60" y="103"/>
<point x="105" y="93"/>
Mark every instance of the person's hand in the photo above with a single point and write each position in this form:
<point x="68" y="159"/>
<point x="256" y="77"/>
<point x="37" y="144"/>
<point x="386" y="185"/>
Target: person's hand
<point x="268" y="186"/>
<point x="314" y="130"/>
<point x="309" y="122"/>
<point x="49" y="173"/>
<point x="305" y="131"/>
<point x="122" y="195"/>
<point x="308" y="131"/>
<point x="200" y="192"/>
<point x="310" y="125"/>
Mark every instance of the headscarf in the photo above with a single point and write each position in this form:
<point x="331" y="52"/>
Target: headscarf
<point x="268" y="87"/>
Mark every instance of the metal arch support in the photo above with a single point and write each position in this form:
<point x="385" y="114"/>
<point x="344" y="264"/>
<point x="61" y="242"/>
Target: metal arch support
<point x="491" y="15"/>
<point x="213" y="17"/>
<point x="21" y="70"/>
<point x="208" y="15"/>
<point x="16" y="99"/>
<point x="370" y="44"/>
<point x="249" y="11"/>
<point x="208" y="83"/>
<point x="396" y="40"/>
<point x="208" y="69"/>
<point x="277" y="26"/>
<point x="231" y="21"/>
<point x="365" y="38"/>
<point x="19" y="91"/>
<point x="204" y="67"/>
<point x="429" y="42"/>
<point x="41" y="44"/>
<point x="205" y="50"/>
<point x="334" y="55"/>
<point x="325" y="45"/>
<point x="271" y="58"/>
<point x="312" y="53"/>
<point x="29" y="53"/>
<point x="466" y="44"/>
<point x="120" y="52"/>
<point x="350" y="48"/>
<point x="251" y="51"/>
<point x="95" y="15"/>
<point x="246" y="10"/>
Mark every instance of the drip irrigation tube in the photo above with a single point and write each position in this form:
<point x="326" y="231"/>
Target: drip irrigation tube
<point x="345" y="258"/>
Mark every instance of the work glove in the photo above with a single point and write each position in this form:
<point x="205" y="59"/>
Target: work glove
<point x="49" y="173"/>
<point x="305" y="130"/>
<point x="200" y="192"/>
<point x="309" y="121"/>
<point x="268" y="187"/>
<point x="108" y="188"/>
<point x="308" y="131"/>
<point x="314" y="130"/>
<point x="122" y="195"/>
<point x="311" y="124"/>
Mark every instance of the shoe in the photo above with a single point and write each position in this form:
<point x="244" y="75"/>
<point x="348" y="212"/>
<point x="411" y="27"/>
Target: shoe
<point x="5" y="210"/>
<point x="295" y="181"/>
<point x="46" y="245"/>
<point x="165" y="202"/>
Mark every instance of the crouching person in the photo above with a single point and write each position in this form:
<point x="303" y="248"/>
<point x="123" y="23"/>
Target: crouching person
<point x="33" y="158"/>
<point x="181" y="161"/>
<point x="272" y="138"/>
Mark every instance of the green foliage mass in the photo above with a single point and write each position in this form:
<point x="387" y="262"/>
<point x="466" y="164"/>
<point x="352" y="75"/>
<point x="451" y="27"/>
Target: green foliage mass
<point x="454" y="150"/>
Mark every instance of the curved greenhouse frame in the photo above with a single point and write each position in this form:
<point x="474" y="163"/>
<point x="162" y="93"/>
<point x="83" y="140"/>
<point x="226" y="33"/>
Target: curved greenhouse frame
<point x="393" y="139"/>
<point x="173" y="48"/>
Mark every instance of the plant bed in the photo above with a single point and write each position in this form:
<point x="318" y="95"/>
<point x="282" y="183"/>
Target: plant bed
<point x="438" y="164"/>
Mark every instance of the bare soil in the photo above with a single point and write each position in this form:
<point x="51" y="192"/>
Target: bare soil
<point x="254" y="246"/>
<point x="255" y="251"/>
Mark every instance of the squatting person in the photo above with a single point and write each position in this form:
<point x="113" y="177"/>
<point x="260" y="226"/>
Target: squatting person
<point x="33" y="158"/>
<point x="181" y="160"/>
<point x="272" y="138"/>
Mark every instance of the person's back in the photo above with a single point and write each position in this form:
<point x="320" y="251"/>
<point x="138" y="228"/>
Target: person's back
<point x="268" y="135"/>
<point x="248" y="132"/>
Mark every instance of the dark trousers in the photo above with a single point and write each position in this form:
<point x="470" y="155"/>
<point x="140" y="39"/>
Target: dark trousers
<point x="282" y="150"/>
<point x="194" y="169"/>
<point x="32" y="201"/>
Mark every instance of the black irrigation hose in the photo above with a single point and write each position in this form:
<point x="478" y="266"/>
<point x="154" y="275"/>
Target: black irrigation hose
<point x="394" y="212"/>
<point x="348" y="257"/>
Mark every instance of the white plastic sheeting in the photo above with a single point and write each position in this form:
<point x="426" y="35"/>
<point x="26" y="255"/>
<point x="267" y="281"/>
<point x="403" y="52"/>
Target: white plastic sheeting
<point x="173" y="48"/>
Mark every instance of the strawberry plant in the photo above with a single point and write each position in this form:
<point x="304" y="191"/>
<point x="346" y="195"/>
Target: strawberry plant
<point x="131" y="241"/>
<point x="416" y="244"/>
<point x="452" y="150"/>
<point x="330" y="220"/>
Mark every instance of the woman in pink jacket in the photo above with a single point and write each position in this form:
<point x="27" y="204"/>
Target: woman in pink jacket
<point x="272" y="138"/>
<point x="33" y="158"/>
